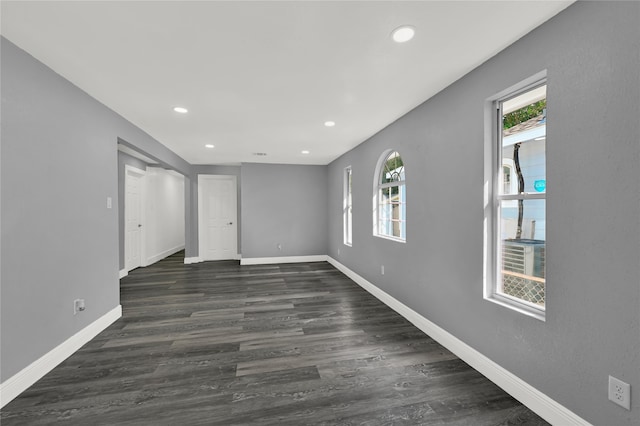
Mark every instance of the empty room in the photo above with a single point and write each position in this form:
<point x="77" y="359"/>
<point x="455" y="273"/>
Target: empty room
<point x="320" y="212"/>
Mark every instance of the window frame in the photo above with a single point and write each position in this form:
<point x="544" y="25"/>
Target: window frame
<point x="347" y="207"/>
<point x="493" y="166"/>
<point x="377" y="195"/>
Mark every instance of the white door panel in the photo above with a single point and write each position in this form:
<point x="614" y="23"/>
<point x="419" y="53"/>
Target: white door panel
<point x="218" y="216"/>
<point x="133" y="218"/>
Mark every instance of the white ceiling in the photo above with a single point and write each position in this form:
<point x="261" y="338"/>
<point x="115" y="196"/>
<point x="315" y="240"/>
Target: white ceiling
<point x="264" y="76"/>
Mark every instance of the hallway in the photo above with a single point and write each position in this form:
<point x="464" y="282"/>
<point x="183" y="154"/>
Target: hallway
<point x="291" y="344"/>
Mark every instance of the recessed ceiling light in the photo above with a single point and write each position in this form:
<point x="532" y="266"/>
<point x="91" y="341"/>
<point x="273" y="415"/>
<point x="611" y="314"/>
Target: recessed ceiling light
<point x="403" y="34"/>
<point x="209" y="146"/>
<point x="329" y="123"/>
<point x="305" y="151"/>
<point x="181" y="110"/>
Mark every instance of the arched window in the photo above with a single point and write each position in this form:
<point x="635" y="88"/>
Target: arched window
<point x="390" y="216"/>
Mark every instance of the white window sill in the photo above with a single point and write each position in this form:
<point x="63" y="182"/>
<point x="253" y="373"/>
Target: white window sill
<point x="532" y="312"/>
<point x="386" y="237"/>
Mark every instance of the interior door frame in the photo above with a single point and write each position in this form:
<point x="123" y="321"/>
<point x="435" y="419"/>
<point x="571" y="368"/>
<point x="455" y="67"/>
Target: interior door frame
<point x="141" y="173"/>
<point x="201" y="219"/>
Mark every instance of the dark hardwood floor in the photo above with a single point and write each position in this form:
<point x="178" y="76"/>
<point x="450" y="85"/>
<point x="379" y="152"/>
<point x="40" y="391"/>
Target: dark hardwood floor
<point x="216" y="343"/>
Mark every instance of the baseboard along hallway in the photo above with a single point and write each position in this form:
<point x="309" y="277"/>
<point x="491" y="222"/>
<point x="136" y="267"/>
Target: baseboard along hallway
<point x="285" y="344"/>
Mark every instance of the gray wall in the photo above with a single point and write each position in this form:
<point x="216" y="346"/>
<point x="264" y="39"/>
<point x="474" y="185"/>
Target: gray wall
<point x="283" y="204"/>
<point x="592" y="328"/>
<point x="59" y="241"/>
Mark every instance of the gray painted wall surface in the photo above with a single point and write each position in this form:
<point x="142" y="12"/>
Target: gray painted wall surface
<point x="592" y="328"/>
<point x="61" y="233"/>
<point x="124" y="159"/>
<point x="217" y="170"/>
<point x="283" y="204"/>
<point x="59" y="241"/>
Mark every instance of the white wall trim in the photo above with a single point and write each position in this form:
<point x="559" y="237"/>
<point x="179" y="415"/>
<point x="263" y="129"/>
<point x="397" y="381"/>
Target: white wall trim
<point x="535" y="400"/>
<point x="123" y="273"/>
<point x="160" y="256"/>
<point x="282" y="259"/>
<point x="190" y="260"/>
<point x="21" y="381"/>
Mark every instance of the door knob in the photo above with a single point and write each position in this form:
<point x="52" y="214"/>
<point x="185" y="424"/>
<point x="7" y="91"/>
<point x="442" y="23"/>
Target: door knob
<point x="230" y="223"/>
<point x="139" y="226"/>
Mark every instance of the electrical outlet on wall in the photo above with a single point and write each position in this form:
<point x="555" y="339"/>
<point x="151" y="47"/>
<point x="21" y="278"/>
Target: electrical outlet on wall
<point x="620" y="392"/>
<point x="78" y="306"/>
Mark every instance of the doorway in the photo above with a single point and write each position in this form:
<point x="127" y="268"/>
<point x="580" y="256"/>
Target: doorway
<point x="133" y="217"/>
<point x="217" y="217"/>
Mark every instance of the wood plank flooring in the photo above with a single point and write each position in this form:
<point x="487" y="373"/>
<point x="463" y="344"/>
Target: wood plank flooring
<point x="217" y="343"/>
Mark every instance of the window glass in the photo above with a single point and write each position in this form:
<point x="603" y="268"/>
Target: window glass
<point x="523" y="256"/>
<point x="520" y="200"/>
<point x="348" y="206"/>
<point x="392" y="200"/>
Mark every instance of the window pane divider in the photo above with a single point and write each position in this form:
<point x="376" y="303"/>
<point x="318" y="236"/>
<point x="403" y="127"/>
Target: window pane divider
<point x="393" y="183"/>
<point x="523" y="196"/>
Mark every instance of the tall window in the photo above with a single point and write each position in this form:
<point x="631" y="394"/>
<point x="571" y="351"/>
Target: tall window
<point x="391" y="211"/>
<point x="518" y="212"/>
<point x="347" y="208"/>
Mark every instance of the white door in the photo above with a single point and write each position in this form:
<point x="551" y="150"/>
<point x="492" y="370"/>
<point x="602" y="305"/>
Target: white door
<point x="133" y="218"/>
<point x="217" y="211"/>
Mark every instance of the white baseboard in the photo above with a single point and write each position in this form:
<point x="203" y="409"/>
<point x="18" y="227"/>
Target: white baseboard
<point x="189" y="260"/>
<point x="123" y="273"/>
<point x="21" y="381"/>
<point x="153" y="259"/>
<point x="535" y="400"/>
<point x="283" y="259"/>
